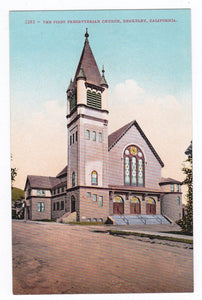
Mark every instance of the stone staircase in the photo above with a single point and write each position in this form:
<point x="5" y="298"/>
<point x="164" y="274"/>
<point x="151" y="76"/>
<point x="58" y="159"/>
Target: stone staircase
<point x="67" y="217"/>
<point x="138" y="219"/>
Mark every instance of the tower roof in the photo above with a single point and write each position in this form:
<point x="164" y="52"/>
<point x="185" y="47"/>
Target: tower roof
<point x="88" y="64"/>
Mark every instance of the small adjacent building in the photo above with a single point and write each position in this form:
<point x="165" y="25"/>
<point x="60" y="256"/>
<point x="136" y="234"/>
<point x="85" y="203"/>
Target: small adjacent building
<point x="106" y="175"/>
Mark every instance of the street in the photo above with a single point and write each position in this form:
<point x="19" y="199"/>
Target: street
<point x="52" y="258"/>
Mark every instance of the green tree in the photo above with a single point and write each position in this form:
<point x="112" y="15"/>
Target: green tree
<point x="186" y="222"/>
<point x="13" y="174"/>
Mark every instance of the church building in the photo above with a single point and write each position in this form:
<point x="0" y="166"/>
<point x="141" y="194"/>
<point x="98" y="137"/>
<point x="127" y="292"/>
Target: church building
<point x="108" y="178"/>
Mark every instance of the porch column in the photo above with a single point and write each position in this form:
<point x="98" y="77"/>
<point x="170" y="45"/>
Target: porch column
<point x="143" y="204"/>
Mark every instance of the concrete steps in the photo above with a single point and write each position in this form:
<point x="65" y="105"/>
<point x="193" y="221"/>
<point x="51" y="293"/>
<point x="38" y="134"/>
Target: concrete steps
<point x="138" y="219"/>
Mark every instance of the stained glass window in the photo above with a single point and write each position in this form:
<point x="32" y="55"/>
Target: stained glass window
<point x="94" y="177"/>
<point x="127" y="170"/>
<point x="133" y="166"/>
<point x="140" y="172"/>
<point x="135" y="200"/>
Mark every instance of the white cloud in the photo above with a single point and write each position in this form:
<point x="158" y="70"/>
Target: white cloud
<point x="166" y="121"/>
<point x="38" y="141"/>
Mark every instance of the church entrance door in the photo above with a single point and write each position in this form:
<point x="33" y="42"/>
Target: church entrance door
<point x="135" y="207"/>
<point x="118" y="206"/>
<point x="151" y="207"/>
<point x="73" y="204"/>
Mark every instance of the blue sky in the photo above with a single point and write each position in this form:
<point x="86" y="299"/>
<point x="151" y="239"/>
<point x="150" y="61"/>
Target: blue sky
<point x="44" y="57"/>
<point x="148" y="69"/>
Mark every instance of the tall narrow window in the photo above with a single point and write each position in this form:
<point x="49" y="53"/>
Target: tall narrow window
<point x="100" y="201"/>
<point x="88" y="134"/>
<point x="70" y="140"/>
<point x="73" y="179"/>
<point x="140" y="172"/>
<point x="127" y="170"/>
<point x="73" y="138"/>
<point x="41" y="206"/>
<point x="172" y="187"/>
<point x="133" y="166"/>
<point x="94" y="135"/>
<point x="76" y="136"/>
<point x="100" y="137"/>
<point x="94" y="177"/>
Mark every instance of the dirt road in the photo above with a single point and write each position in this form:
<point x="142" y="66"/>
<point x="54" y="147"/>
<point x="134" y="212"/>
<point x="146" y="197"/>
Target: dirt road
<point x="51" y="258"/>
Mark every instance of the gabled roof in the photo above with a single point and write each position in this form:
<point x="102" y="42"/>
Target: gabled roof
<point x="169" y="181"/>
<point x="62" y="173"/>
<point x="114" y="137"/>
<point x="42" y="182"/>
<point x="88" y="65"/>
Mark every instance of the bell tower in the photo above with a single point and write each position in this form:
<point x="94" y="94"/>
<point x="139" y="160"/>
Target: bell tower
<point x="87" y="127"/>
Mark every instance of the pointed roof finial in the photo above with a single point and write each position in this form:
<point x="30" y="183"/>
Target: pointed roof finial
<point x="103" y="70"/>
<point x="103" y="80"/>
<point x="86" y="34"/>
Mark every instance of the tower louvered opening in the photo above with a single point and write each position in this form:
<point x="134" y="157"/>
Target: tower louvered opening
<point x="93" y="99"/>
<point x="73" y="101"/>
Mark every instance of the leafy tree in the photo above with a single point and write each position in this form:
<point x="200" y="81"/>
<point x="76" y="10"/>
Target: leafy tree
<point x="186" y="222"/>
<point x="13" y="174"/>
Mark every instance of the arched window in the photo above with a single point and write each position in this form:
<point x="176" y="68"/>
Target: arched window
<point x="134" y="166"/>
<point x="73" y="179"/>
<point x="94" y="178"/>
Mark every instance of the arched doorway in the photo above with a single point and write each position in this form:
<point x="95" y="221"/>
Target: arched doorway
<point x="135" y="207"/>
<point x="150" y="206"/>
<point x="118" y="205"/>
<point x="73" y="204"/>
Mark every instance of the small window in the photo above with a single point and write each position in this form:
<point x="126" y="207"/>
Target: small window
<point x="70" y="140"/>
<point x="100" y="137"/>
<point x="178" y="200"/>
<point x="43" y="193"/>
<point x="178" y="188"/>
<point x="62" y="189"/>
<point x="76" y="136"/>
<point x="89" y="219"/>
<point x="172" y="187"/>
<point x="94" y="197"/>
<point x="100" y="201"/>
<point x="88" y="134"/>
<point x="62" y="205"/>
<point x="58" y="191"/>
<point x="94" y="220"/>
<point x="89" y="194"/>
<point x="41" y="206"/>
<point x="73" y="138"/>
<point x="58" y="205"/>
<point x="38" y="193"/>
<point x="94" y="135"/>
<point x="94" y="178"/>
<point x="101" y="220"/>
<point x="73" y="179"/>
<point x="54" y="206"/>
